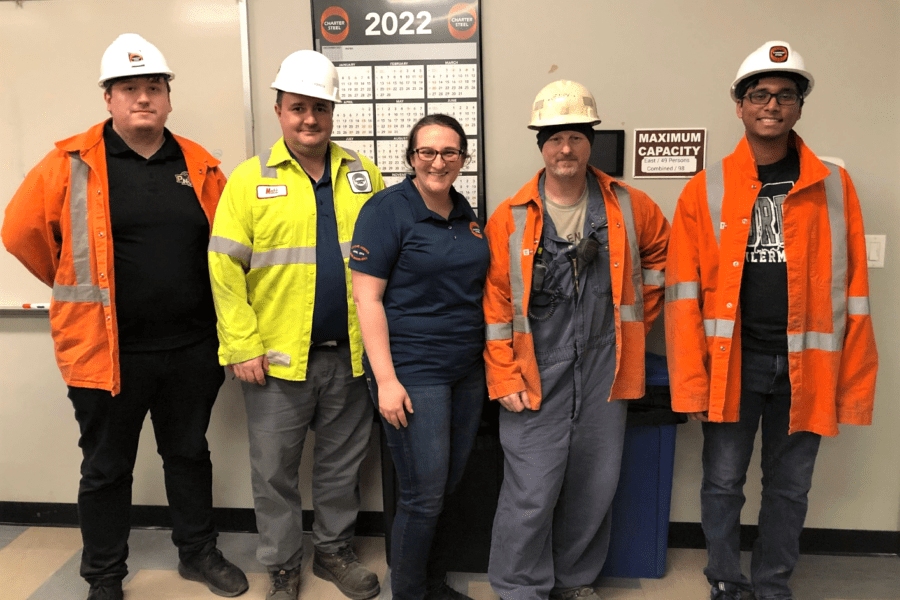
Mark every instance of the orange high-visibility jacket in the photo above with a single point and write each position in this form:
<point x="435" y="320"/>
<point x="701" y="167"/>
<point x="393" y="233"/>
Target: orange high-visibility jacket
<point x="57" y="225"/>
<point x="832" y="359"/>
<point x="636" y="228"/>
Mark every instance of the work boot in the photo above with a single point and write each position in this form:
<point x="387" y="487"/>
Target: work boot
<point x="444" y="592"/>
<point x="344" y="570"/>
<point x="210" y="567"/>
<point x="722" y="590"/>
<point x="580" y="593"/>
<point x="285" y="584"/>
<point x="106" y="590"/>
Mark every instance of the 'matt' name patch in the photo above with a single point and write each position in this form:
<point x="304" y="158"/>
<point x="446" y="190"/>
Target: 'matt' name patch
<point x="271" y="191"/>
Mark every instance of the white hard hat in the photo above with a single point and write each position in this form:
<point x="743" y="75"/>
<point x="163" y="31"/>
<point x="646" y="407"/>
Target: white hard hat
<point x="772" y="56"/>
<point x="308" y="73"/>
<point x="130" y="55"/>
<point x="563" y="103"/>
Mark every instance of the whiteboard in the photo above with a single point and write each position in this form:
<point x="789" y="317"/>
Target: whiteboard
<point x="49" y="66"/>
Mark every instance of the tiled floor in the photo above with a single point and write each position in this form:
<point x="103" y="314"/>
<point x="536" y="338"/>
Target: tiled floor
<point x="38" y="563"/>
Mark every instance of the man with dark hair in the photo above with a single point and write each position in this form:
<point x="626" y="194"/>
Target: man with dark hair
<point x="288" y="328"/>
<point x="575" y="282"/>
<point x="767" y="320"/>
<point x="117" y="220"/>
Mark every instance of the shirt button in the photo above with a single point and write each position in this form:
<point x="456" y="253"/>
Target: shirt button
<point x="102" y="275"/>
<point x="735" y="263"/>
<point x="100" y="234"/>
<point x="616" y="265"/>
<point x="729" y="305"/>
<point x="722" y="348"/>
<point x="744" y="221"/>
<point x="753" y="187"/>
<point x="618" y="224"/>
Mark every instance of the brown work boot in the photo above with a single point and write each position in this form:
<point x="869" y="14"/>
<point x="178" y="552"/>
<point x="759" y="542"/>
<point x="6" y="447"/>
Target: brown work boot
<point x="285" y="584"/>
<point x="344" y="570"/>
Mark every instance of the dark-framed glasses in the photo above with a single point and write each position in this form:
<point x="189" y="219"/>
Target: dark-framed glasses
<point x="782" y="98"/>
<point x="429" y="154"/>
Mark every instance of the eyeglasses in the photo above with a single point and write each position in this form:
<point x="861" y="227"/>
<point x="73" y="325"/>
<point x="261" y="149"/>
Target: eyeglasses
<point x="429" y="154"/>
<point x="782" y="98"/>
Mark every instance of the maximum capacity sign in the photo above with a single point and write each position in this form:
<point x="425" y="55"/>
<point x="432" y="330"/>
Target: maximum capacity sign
<point x="669" y="152"/>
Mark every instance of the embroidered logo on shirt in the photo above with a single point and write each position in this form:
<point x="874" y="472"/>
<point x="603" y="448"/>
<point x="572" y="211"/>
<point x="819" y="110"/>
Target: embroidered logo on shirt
<point x="271" y="191"/>
<point x="360" y="182"/>
<point x="358" y="252"/>
<point x="475" y="228"/>
<point x="184" y="179"/>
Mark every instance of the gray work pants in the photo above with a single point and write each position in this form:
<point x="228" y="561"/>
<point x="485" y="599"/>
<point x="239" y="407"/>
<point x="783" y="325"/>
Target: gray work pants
<point x="336" y="406"/>
<point x="551" y="530"/>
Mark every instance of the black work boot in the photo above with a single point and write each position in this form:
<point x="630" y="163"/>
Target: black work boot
<point x="210" y="567"/>
<point x="106" y="590"/>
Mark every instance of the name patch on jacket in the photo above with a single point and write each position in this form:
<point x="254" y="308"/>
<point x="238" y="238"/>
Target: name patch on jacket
<point x="271" y="191"/>
<point x="360" y="182"/>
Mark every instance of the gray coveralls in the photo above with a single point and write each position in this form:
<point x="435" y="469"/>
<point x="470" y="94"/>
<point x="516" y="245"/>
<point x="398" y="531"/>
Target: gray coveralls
<point x="551" y="529"/>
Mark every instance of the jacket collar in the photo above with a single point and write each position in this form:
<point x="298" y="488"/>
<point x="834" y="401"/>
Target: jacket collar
<point x="812" y="170"/>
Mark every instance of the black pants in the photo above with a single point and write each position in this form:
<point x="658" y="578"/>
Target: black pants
<point x="178" y="387"/>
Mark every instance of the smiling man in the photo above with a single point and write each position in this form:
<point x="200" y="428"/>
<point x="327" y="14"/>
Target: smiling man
<point x="288" y="327"/>
<point x="575" y="281"/>
<point x="767" y="320"/>
<point x="116" y="220"/>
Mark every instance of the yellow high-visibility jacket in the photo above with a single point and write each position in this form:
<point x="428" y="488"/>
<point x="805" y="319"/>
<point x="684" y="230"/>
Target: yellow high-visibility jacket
<point x="262" y="257"/>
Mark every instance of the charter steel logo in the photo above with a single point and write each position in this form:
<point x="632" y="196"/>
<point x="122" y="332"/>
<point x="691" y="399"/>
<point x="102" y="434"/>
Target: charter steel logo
<point x="462" y="21"/>
<point x="335" y="24"/>
<point x="778" y="54"/>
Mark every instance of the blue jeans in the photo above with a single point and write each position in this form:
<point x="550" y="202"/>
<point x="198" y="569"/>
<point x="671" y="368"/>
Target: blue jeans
<point x="430" y="456"/>
<point x="787" y="466"/>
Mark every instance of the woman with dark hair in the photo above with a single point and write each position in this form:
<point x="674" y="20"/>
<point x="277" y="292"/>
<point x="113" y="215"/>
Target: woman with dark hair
<point x="419" y="261"/>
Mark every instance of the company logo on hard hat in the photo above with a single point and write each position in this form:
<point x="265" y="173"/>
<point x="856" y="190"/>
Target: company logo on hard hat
<point x="335" y="24"/>
<point x="462" y="20"/>
<point x="778" y="54"/>
<point x="136" y="60"/>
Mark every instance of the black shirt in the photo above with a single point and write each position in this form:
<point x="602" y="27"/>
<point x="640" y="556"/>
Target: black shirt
<point x="160" y="236"/>
<point x="764" y="294"/>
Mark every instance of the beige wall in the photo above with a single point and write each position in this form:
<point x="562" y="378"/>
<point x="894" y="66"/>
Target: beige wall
<point x="653" y="63"/>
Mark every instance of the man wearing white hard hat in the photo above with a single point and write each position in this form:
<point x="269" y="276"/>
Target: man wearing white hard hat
<point x="575" y="282"/>
<point x="288" y="327"/>
<point x="767" y="321"/>
<point x="116" y="220"/>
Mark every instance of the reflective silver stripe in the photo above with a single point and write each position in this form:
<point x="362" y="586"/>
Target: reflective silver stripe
<point x="816" y="340"/>
<point x="813" y="340"/>
<point x="498" y="331"/>
<point x="718" y="328"/>
<point x="283" y="256"/>
<point x="654" y="277"/>
<point x="628" y="313"/>
<point x="516" y="281"/>
<point x="265" y="170"/>
<point x="78" y="216"/>
<point x="80" y="293"/>
<point x="858" y="305"/>
<point x="345" y="250"/>
<point x="230" y="248"/>
<point x="631" y="312"/>
<point x="715" y="195"/>
<point x="686" y="290"/>
<point x="521" y="324"/>
<point x="355" y="164"/>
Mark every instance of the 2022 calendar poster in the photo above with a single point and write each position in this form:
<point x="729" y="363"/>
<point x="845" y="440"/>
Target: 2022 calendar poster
<point x="400" y="61"/>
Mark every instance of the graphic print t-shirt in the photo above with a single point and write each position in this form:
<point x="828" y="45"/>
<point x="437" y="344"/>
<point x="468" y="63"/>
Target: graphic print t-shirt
<point x="764" y="299"/>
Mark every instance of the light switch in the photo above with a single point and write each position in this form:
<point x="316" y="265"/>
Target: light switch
<point x="875" y="250"/>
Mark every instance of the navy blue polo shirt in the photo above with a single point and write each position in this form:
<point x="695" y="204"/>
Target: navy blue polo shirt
<point x="330" y="313"/>
<point x="435" y="270"/>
